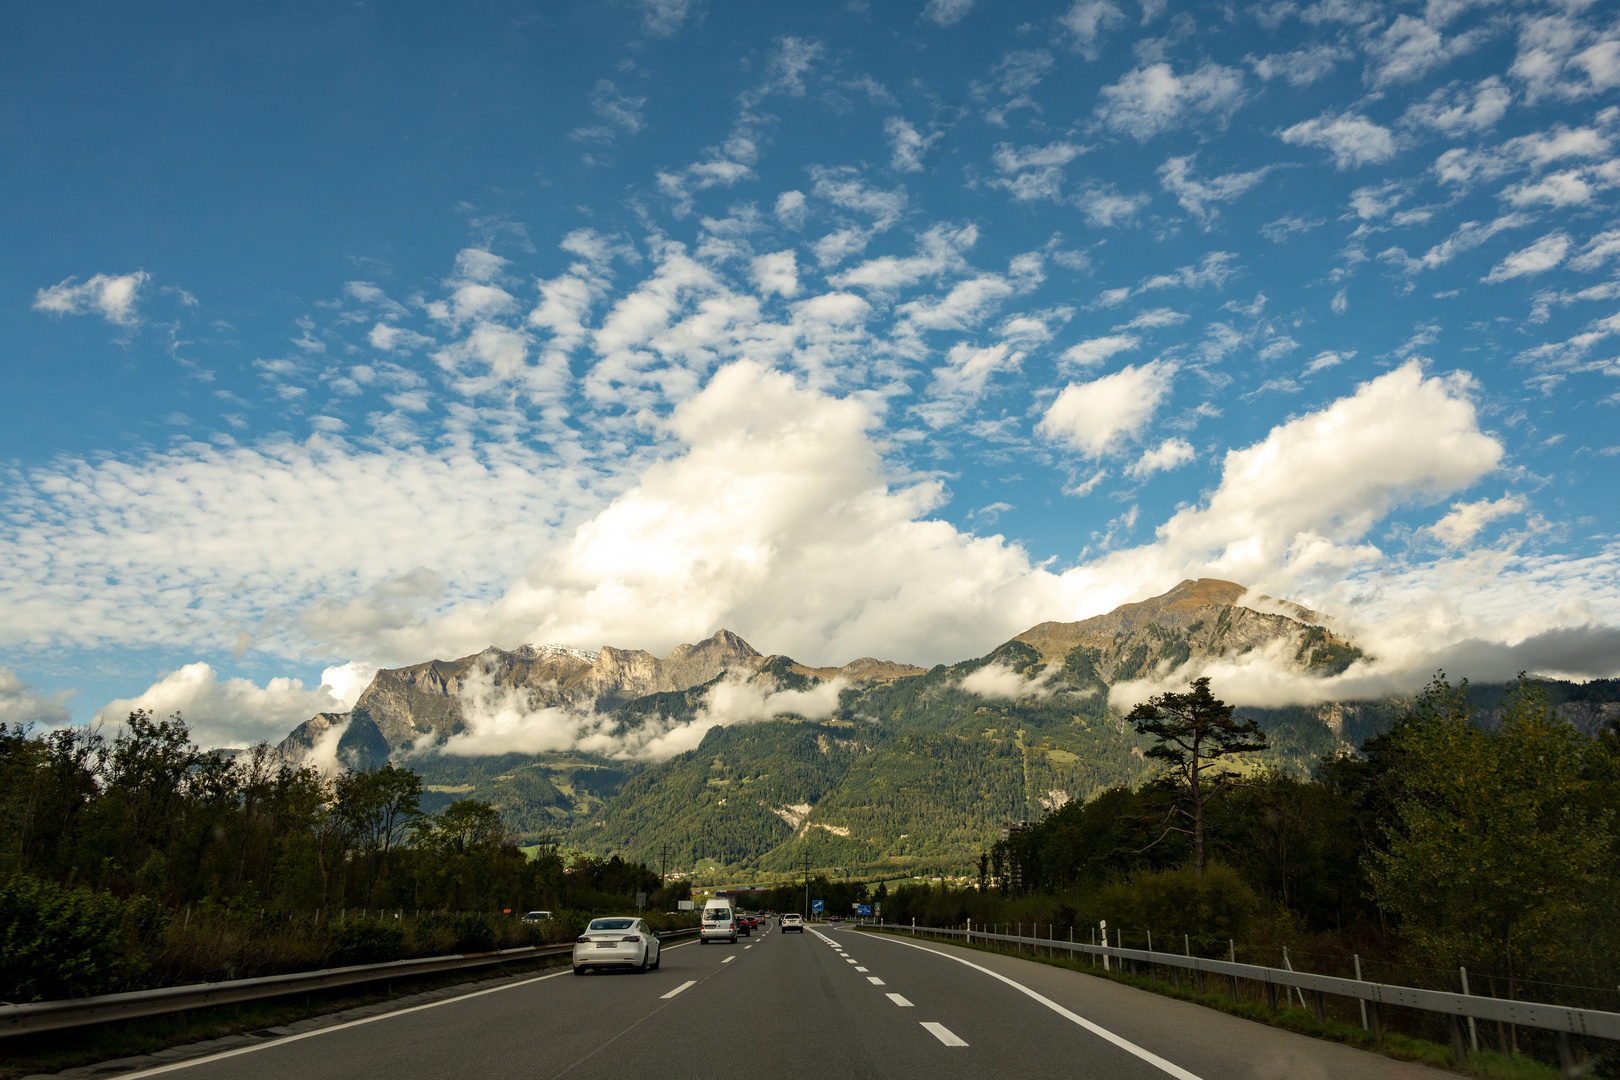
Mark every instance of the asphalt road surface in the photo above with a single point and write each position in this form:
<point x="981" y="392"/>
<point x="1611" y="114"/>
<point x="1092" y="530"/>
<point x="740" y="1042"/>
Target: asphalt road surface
<point x="823" y="1005"/>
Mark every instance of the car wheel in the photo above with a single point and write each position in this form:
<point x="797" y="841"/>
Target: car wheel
<point x="579" y="971"/>
<point x="658" y="959"/>
<point x="641" y="968"/>
<point x="734" y="939"/>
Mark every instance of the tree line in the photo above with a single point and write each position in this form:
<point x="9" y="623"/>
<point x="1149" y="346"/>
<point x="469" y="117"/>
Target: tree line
<point x="1444" y="843"/>
<point x="147" y="838"/>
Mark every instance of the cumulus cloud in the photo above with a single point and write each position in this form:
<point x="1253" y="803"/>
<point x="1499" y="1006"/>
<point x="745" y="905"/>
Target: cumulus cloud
<point x="112" y="296"/>
<point x="947" y="12"/>
<point x="1094" y="351"/>
<point x="777" y="273"/>
<point x="1300" y="68"/>
<point x="1149" y="100"/>
<point x="1540" y="256"/>
<point x="1197" y="195"/>
<point x="502" y="720"/>
<point x="1096" y="417"/>
<point x="1465" y="520"/>
<point x="1087" y="21"/>
<point x="1170" y="454"/>
<point x="1458" y="110"/>
<point x="1352" y="139"/>
<point x="1299" y="502"/>
<point x="21" y="704"/>
<point x="230" y="711"/>
<point x="959" y="385"/>
<point x="907" y="145"/>
<point x="1001" y="681"/>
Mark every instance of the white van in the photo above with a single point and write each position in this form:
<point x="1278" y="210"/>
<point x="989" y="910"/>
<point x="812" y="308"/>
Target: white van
<point x="719" y="922"/>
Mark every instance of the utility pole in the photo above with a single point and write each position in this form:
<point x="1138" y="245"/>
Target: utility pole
<point x="806" y="858"/>
<point x="663" y="865"/>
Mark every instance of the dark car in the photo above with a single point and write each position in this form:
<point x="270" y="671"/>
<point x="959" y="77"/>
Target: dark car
<point x="744" y="927"/>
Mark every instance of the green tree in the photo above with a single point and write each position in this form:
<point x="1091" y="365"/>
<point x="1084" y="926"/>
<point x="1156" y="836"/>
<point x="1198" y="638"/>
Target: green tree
<point x="1195" y="731"/>
<point x="1494" y="845"/>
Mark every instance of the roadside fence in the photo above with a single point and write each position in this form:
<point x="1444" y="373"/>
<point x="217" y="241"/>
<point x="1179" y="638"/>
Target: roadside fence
<point x="1465" y="1014"/>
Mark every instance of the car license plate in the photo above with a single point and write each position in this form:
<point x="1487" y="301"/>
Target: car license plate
<point x="606" y="944"/>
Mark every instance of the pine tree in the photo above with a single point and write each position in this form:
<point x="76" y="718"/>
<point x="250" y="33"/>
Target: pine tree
<point x="1195" y="730"/>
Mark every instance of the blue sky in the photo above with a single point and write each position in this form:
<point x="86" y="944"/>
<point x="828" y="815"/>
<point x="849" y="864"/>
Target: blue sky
<point x="346" y="336"/>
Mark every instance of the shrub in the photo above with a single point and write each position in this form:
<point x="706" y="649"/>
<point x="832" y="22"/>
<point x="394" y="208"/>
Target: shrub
<point x="366" y="941"/>
<point x="58" y="942"/>
<point x="474" y="933"/>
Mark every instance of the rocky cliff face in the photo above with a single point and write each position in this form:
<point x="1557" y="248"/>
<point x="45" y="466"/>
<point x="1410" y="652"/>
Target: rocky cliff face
<point x="1196" y="618"/>
<point x="422" y="704"/>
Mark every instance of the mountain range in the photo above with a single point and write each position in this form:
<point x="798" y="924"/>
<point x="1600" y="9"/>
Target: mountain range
<point x="871" y="764"/>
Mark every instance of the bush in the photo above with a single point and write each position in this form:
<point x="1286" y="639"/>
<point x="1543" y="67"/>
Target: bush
<point x="58" y="942"/>
<point x="474" y="933"/>
<point x="1209" y="909"/>
<point x="366" y="941"/>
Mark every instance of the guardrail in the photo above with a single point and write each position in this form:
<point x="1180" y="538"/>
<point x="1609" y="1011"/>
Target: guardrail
<point x="78" y="1012"/>
<point x="1455" y="1007"/>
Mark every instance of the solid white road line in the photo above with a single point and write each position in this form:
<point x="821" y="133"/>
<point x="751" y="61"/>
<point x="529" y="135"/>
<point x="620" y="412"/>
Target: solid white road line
<point x="1098" y="1030"/>
<point x="688" y="984"/>
<point x="875" y="981"/>
<point x="898" y="1000"/>
<point x="270" y="1043"/>
<point x="944" y="1034"/>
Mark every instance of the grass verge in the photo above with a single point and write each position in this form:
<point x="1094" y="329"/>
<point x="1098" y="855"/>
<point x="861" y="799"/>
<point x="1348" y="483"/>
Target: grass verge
<point x="1485" y="1063"/>
<point x="55" y="1051"/>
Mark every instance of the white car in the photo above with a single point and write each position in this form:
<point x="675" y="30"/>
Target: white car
<point x="793" y="921"/>
<point x="619" y="942"/>
<point x="719" y="923"/>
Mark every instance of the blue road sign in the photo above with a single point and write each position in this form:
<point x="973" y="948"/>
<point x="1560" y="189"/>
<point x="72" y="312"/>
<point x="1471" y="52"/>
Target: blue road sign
<point x="863" y="909"/>
<point x="815" y="907"/>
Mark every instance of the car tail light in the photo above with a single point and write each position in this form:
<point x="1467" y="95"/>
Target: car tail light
<point x="630" y="937"/>
<point x="582" y="941"/>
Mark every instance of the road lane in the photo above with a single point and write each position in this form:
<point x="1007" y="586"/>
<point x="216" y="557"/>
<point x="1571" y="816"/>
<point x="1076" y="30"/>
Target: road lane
<point x="827" y="1003"/>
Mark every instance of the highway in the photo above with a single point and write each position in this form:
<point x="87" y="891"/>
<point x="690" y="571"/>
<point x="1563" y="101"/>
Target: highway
<point x="830" y="1003"/>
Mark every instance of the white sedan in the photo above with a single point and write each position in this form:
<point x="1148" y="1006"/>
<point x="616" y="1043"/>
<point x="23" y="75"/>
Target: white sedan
<point x="621" y="942"/>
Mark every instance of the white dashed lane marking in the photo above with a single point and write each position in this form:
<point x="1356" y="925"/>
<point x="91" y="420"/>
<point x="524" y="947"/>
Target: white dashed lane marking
<point x="860" y="969"/>
<point x="728" y="959"/>
<point x="688" y="984"/>
<point x="898" y="1000"/>
<point x="943" y="1034"/>
<point x="875" y="981"/>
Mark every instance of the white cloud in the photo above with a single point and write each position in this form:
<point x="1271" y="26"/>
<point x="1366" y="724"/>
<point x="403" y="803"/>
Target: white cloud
<point x="1087" y="21"/>
<point x="1456" y="110"/>
<point x="1295" y="507"/>
<point x="1558" y="189"/>
<point x="21" y="704"/>
<point x="1094" y="351"/>
<point x="1149" y="100"/>
<point x="1463" y="523"/>
<point x="1409" y="48"/>
<point x="908" y="147"/>
<point x="1352" y="139"/>
<point x="1196" y="195"/>
<point x="790" y="209"/>
<point x="961" y="383"/>
<point x="1300" y="68"/>
<point x="947" y="12"/>
<point x="616" y="109"/>
<point x="1105" y="208"/>
<point x="1096" y="417"/>
<point x="663" y="18"/>
<point x="503" y="720"/>
<point x="1540" y="256"/>
<point x="1170" y="454"/>
<point x="112" y="296"/>
<point x="1001" y="681"/>
<point x="1034" y="172"/>
<point x="776" y="273"/>
<point x="1598" y="250"/>
<point x="229" y="712"/>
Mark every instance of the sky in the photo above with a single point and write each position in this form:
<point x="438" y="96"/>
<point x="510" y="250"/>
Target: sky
<point x="338" y="336"/>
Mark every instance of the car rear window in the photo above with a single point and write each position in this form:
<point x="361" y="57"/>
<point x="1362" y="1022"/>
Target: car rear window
<point x="717" y="914"/>
<point x="611" y="924"/>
